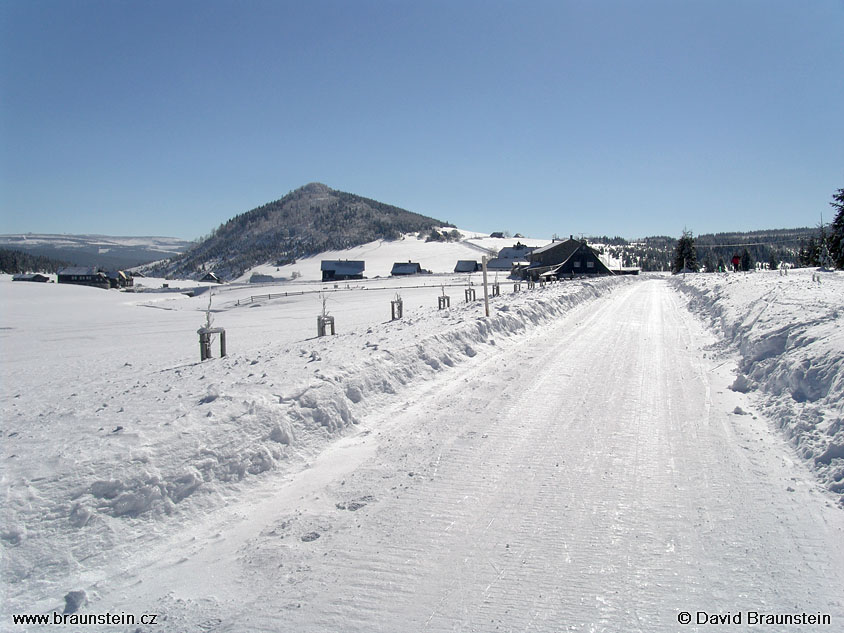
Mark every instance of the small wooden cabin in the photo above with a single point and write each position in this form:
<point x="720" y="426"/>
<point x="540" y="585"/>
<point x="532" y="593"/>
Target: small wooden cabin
<point x="36" y="277"/>
<point x="408" y="268"/>
<point x="120" y="279"/>
<point x="212" y="277"/>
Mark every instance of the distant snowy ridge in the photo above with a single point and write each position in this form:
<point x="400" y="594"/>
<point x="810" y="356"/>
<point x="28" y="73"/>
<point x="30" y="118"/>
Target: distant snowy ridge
<point x="134" y="449"/>
<point x="60" y="240"/>
<point x="112" y="252"/>
<point x="789" y="334"/>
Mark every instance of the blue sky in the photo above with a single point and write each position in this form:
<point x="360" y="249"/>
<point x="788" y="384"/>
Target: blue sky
<point x="625" y="118"/>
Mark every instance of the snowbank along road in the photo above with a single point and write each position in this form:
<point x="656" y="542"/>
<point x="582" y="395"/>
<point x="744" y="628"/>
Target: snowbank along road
<point x="592" y="476"/>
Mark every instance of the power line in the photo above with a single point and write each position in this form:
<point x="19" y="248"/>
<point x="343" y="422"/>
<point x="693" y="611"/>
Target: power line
<point x="794" y="241"/>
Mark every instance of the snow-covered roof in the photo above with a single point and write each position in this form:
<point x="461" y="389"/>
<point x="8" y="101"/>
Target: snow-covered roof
<point x="497" y="263"/>
<point x="79" y="270"/>
<point x="29" y="277"/>
<point x="515" y="252"/>
<point x="344" y="266"/>
<point x="570" y="243"/>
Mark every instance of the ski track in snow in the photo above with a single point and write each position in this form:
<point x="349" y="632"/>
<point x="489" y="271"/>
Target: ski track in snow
<point x="579" y="470"/>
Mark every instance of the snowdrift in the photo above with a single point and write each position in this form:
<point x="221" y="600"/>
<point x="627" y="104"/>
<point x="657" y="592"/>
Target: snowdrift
<point x="110" y="464"/>
<point x="788" y="331"/>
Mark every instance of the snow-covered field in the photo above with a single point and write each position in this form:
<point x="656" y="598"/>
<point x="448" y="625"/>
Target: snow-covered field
<point x="576" y="461"/>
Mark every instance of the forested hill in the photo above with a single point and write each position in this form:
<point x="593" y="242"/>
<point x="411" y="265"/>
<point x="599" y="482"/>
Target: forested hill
<point x="15" y="261"/>
<point x="309" y="220"/>
<point x="794" y="246"/>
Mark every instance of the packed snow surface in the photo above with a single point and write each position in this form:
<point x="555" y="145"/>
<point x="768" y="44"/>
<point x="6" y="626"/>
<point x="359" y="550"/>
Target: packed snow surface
<point x="788" y="333"/>
<point x="573" y="462"/>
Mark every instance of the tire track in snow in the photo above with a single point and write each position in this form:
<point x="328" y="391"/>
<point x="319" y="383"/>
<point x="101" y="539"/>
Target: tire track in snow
<point x="604" y="495"/>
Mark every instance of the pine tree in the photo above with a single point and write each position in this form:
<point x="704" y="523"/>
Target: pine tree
<point x="746" y="260"/>
<point x="811" y="253"/>
<point x="836" y="230"/>
<point x="685" y="255"/>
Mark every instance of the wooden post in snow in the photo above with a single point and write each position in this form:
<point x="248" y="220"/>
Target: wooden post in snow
<point x="443" y="301"/>
<point x="324" y="323"/>
<point x="205" y="341"/>
<point x="395" y="309"/>
<point x="486" y="291"/>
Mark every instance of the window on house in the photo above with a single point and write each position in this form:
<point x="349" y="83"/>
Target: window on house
<point x="590" y="264"/>
<point x="577" y="264"/>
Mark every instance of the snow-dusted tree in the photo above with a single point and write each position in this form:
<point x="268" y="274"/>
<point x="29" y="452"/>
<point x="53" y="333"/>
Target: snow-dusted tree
<point x="685" y="255"/>
<point x="836" y="230"/>
<point x="208" y="318"/>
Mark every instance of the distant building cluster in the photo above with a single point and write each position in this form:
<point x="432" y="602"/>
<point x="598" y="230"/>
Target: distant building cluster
<point x="557" y="260"/>
<point x="90" y="276"/>
<point x="84" y="276"/>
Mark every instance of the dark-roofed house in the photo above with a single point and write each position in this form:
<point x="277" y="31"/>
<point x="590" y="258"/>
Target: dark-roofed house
<point x="564" y="259"/>
<point x="408" y="268"/>
<point x="511" y="258"/>
<point x="467" y="266"/>
<point x="83" y="276"/>
<point x="212" y="278"/>
<point x="518" y="252"/>
<point x="341" y="269"/>
<point x="120" y="279"/>
<point x="38" y="277"/>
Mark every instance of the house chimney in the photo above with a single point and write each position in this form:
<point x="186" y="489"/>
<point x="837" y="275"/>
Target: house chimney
<point x="571" y="237"/>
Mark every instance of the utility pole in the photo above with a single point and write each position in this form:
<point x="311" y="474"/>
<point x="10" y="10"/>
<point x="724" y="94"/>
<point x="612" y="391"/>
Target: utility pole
<point x="486" y="292"/>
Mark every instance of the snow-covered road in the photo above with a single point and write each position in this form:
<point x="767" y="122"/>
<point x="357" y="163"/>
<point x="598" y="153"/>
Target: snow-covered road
<point x="594" y="477"/>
